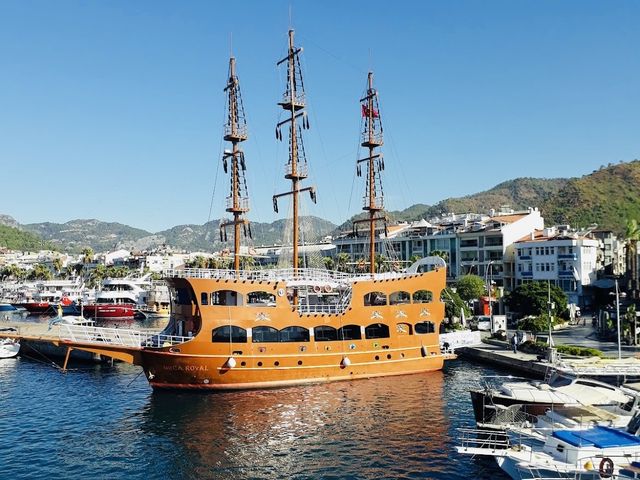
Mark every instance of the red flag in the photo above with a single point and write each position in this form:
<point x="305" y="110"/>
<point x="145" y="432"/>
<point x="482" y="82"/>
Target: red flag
<point x="365" y="112"/>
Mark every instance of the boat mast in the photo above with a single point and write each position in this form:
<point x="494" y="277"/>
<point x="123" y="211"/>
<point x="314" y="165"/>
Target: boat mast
<point x="297" y="168"/>
<point x="235" y="131"/>
<point x="372" y="138"/>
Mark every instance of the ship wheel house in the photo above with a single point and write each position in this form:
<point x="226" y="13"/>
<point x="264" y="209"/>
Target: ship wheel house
<point x="389" y="306"/>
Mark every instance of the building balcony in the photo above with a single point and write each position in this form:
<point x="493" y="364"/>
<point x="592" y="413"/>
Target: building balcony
<point x="565" y="274"/>
<point x="526" y="274"/>
<point x="567" y="256"/>
<point x="524" y="257"/>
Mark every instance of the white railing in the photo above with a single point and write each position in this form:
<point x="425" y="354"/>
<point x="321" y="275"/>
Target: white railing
<point x="117" y="336"/>
<point x="312" y="275"/>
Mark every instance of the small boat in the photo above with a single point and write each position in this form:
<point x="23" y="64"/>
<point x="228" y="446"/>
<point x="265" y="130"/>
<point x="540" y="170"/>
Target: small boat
<point x="109" y="310"/>
<point x="6" y="307"/>
<point x="538" y="397"/>
<point x="9" y="348"/>
<point x="592" y="453"/>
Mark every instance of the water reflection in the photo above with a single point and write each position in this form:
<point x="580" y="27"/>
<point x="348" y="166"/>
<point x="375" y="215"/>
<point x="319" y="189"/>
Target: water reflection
<point x="389" y="427"/>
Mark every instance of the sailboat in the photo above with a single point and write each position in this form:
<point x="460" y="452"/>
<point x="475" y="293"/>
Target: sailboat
<point x="241" y="329"/>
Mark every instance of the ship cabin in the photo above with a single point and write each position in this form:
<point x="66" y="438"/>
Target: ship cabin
<point x="253" y="313"/>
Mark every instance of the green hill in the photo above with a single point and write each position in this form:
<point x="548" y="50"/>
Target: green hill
<point x="608" y="197"/>
<point x="16" y="239"/>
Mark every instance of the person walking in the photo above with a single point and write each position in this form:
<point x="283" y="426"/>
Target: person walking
<point x="514" y="343"/>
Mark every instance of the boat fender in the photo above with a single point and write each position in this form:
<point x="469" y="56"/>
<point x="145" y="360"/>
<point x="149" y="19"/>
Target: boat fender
<point x="588" y="465"/>
<point x="316" y="288"/>
<point x="345" y="362"/>
<point x="230" y="363"/>
<point x="424" y="351"/>
<point x="327" y="288"/>
<point x="606" y="468"/>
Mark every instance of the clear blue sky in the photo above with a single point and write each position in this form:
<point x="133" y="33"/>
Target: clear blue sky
<point x="113" y="110"/>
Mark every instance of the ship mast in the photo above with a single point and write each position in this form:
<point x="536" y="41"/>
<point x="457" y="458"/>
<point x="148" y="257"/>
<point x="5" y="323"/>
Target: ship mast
<point x="293" y="102"/>
<point x="372" y="139"/>
<point x="235" y="131"/>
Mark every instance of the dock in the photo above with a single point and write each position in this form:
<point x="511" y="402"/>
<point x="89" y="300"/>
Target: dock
<point x="501" y="355"/>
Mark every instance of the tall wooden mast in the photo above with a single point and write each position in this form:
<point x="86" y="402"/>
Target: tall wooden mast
<point x="235" y="131"/>
<point x="293" y="102"/>
<point x="372" y="139"/>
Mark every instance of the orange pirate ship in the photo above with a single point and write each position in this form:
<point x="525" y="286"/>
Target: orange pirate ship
<point x="238" y="329"/>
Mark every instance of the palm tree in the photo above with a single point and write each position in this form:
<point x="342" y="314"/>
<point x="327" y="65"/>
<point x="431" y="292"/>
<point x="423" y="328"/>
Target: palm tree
<point x="57" y="265"/>
<point x="632" y="235"/>
<point x="440" y="253"/>
<point x="87" y="255"/>
<point x="40" y="272"/>
<point x="341" y="261"/>
<point x="329" y="264"/>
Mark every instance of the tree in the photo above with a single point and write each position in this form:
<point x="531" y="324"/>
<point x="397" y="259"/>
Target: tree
<point x="342" y="259"/>
<point x="57" y="265"/>
<point x="329" y="264"/>
<point x="470" y="287"/>
<point x="40" y="272"/>
<point x="531" y="298"/>
<point x="453" y="304"/>
<point x="87" y="255"/>
<point x="632" y="235"/>
<point x="97" y="275"/>
<point x="440" y="253"/>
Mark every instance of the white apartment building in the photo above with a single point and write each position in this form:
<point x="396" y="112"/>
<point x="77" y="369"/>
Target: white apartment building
<point x="564" y="258"/>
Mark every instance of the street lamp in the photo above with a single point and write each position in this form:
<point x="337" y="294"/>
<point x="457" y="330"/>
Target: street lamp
<point x="488" y="282"/>
<point x="618" y="295"/>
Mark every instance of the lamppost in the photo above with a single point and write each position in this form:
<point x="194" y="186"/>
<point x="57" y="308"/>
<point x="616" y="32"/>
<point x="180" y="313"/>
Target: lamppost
<point x="488" y="282"/>
<point x="550" y="306"/>
<point x="618" y="295"/>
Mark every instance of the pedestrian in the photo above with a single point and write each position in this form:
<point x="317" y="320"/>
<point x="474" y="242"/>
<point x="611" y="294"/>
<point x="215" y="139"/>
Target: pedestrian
<point x="514" y="343"/>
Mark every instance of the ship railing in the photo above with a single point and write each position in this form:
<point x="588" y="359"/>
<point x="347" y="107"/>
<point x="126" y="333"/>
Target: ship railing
<point x="312" y="275"/>
<point x="474" y="438"/>
<point x="118" y="336"/>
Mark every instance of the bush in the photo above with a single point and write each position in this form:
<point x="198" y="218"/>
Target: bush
<point x="532" y="347"/>
<point x="534" y="324"/>
<point x="579" y="351"/>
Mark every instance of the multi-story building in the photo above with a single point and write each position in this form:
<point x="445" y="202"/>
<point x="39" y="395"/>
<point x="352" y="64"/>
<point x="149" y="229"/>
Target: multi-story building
<point x="566" y="258"/>
<point x="472" y="243"/>
<point x="612" y="252"/>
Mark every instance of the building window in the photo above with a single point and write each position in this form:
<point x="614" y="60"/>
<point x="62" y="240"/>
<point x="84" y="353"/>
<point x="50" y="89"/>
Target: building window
<point x="325" y="333"/>
<point x="229" y="334"/>
<point x="376" y="330"/>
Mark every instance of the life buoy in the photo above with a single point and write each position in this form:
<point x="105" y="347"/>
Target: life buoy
<point x="606" y="468"/>
<point x="327" y="288"/>
<point x="316" y="288"/>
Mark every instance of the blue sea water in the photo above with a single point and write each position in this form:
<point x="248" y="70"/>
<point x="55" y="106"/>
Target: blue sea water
<point x="106" y="422"/>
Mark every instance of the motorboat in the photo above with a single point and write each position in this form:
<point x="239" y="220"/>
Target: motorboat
<point x="536" y="397"/>
<point x="119" y="298"/>
<point x="592" y="453"/>
<point x="9" y="348"/>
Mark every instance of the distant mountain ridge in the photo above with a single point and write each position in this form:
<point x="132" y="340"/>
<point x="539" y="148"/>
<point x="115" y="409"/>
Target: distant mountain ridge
<point x="608" y="196"/>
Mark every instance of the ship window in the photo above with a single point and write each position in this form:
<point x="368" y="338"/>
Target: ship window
<point x="377" y="330"/>
<point x="325" y="333"/>
<point x="375" y="298"/>
<point x="294" y="334"/>
<point x="261" y="299"/>
<point x="349" y="332"/>
<point x="425" y="327"/>
<point x="183" y="296"/>
<point x="422" y="296"/>
<point x="265" y="334"/>
<point x="399" y="297"/>
<point x="403" y="329"/>
<point x="229" y="333"/>
<point x="204" y="298"/>
<point x="226" y="297"/>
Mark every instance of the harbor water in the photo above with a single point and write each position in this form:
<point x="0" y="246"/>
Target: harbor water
<point x="101" y="421"/>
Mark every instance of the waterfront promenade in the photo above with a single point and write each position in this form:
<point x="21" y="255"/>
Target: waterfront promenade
<point x="500" y="353"/>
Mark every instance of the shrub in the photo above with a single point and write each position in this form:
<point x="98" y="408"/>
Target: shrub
<point x="579" y="351"/>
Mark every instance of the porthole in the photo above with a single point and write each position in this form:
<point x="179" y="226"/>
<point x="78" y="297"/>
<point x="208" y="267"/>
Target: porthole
<point x="377" y="357"/>
<point x="299" y="362"/>
<point x="389" y="356"/>
<point x="259" y="364"/>
<point x="243" y="364"/>
<point x="276" y="363"/>
<point x="402" y="355"/>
